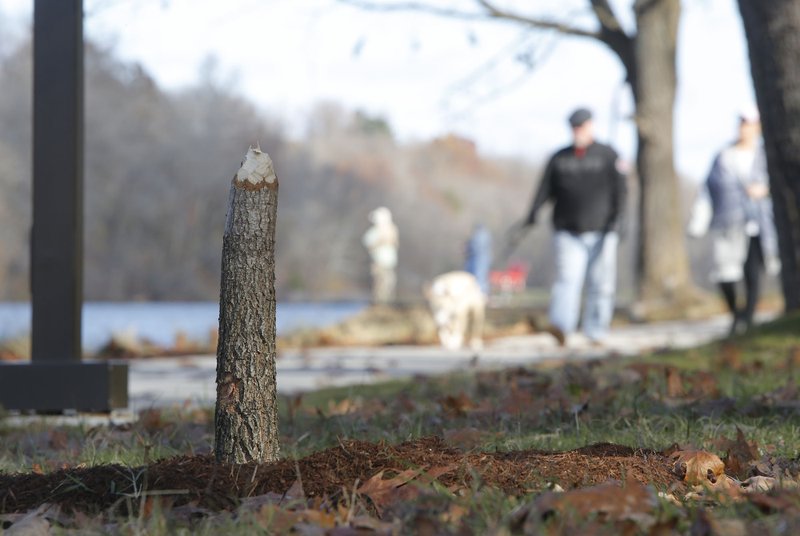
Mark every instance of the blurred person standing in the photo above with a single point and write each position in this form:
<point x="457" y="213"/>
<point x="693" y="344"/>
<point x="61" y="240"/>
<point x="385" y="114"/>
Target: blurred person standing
<point x="381" y="241"/>
<point x="588" y="192"/>
<point x="735" y="207"/>
<point x="478" y="259"/>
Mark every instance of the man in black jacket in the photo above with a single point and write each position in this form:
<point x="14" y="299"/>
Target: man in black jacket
<point x="588" y="193"/>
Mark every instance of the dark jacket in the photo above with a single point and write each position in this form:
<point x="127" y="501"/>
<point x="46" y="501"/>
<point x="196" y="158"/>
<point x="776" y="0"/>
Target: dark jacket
<point x="586" y="188"/>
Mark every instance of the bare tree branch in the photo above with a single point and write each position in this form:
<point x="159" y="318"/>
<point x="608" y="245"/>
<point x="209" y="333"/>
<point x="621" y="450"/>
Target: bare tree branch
<point x="615" y="37"/>
<point x="545" y="24"/>
<point x="488" y="71"/>
<point x="415" y="6"/>
<point x="611" y="32"/>
<point x="490" y="12"/>
<point x="606" y="16"/>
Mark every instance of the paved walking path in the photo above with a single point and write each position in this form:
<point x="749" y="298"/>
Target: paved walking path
<point x="159" y="382"/>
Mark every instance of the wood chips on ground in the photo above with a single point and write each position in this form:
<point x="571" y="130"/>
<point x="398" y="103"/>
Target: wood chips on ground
<point x="328" y="473"/>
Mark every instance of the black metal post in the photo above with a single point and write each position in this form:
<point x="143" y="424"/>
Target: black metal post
<point x="57" y="248"/>
<point x="57" y="379"/>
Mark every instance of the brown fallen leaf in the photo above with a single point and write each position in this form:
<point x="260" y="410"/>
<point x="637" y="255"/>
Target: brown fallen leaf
<point x="695" y="384"/>
<point x="518" y="401"/>
<point x="456" y="406"/>
<point x="726" y="489"/>
<point x="454" y="514"/>
<point x="610" y="501"/>
<point x="360" y="524"/>
<point x="697" y="467"/>
<point x="731" y="527"/>
<point x="344" y="406"/>
<point x="703" y="384"/>
<point x="674" y="383"/>
<point x="763" y="484"/>
<point x="293" y="404"/>
<point x="646" y="371"/>
<point x="706" y="523"/>
<point x="739" y="454"/>
<point x="671" y="450"/>
<point x="793" y="360"/>
<point x="58" y="439"/>
<point x="759" y="484"/>
<point x="427" y="477"/>
<point x="382" y="492"/>
<point x="729" y="357"/>
<point x="609" y="507"/>
<point x="780" y="501"/>
<point x="406" y="403"/>
<point x="151" y="420"/>
<point x="423" y="524"/>
<point x="277" y="520"/>
<point x="319" y="518"/>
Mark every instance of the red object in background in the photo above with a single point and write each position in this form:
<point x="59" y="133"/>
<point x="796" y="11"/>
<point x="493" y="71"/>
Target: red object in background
<point x="512" y="279"/>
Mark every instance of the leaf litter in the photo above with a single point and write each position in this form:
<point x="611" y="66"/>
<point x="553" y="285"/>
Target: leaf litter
<point x="360" y="487"/>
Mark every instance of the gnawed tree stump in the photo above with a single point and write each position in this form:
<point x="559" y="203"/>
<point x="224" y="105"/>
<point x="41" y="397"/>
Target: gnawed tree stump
<point x="246" y="412"/>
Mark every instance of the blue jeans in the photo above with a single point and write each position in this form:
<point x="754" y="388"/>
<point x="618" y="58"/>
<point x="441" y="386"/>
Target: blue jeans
<point x="590" y="258"/>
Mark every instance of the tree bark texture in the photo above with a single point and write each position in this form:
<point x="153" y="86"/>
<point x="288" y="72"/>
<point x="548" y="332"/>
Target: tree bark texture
<point x="246" y="421"/>
<point x="663" y="257"/>
<point x="772" y="28"/>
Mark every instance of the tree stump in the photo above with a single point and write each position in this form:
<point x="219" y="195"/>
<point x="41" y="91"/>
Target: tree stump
<point x="246" y="420"/>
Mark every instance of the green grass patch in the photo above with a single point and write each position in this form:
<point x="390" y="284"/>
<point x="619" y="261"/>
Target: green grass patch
<point x="694" y="397"/>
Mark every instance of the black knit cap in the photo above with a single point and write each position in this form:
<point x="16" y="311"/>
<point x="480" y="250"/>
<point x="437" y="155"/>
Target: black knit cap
<point x="579" y="117"/>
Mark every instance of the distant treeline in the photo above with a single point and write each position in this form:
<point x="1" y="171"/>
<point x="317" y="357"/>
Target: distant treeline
<point x="158" y="166"/>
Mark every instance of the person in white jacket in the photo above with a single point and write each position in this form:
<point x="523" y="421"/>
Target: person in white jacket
<point x="381" y="240"/>
<point x="735" y="207"/>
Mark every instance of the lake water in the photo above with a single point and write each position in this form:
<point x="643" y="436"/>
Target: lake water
<point x="160" y="321"/>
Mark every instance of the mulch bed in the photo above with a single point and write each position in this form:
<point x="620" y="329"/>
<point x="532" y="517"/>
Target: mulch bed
<point x="328" y="473"/>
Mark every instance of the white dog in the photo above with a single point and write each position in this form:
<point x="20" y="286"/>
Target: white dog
<point x="458" y="306"/>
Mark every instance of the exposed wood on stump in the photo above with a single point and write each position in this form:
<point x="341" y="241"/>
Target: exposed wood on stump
<point x="246" y="411"/>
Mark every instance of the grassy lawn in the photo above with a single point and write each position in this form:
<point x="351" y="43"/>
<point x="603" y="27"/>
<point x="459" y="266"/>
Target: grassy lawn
<point x="652" y="401"/>
<point x="696" y="399"/>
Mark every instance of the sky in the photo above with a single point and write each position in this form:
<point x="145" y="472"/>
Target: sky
<point x="426" y="75"/>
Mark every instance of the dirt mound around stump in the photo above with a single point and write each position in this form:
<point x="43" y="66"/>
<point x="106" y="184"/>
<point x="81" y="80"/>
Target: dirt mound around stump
<point x="199" y="479"/>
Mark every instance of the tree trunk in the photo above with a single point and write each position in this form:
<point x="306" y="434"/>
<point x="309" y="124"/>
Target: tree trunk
<point x="246" y="412"/>
<point x="663" y="259"/>
<point x="773" y="37"/>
